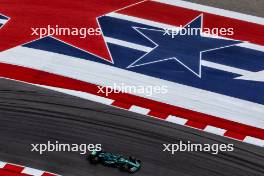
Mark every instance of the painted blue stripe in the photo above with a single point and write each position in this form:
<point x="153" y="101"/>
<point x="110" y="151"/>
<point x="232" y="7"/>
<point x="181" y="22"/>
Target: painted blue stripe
<point x="238" y="57"/>
<point x="123" y="30"/>
<point x="53" y="45"/>
<point x="212" y="79"/>
<point x="3" y="17"/>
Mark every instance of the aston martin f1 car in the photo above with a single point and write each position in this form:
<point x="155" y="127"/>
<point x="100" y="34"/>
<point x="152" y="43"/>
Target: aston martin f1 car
<point x="129" y="164"/>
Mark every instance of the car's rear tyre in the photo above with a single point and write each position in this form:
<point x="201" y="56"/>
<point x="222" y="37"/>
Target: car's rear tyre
<point x="125" y="167"/>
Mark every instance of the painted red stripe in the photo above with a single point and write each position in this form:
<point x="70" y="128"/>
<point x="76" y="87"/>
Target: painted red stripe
<point x="13" y="168"/>
<point x="158" y="114"/>
<point x="235" y="135"/>
<point x="196" y="124"/>
<point x="121" y="104"/>
<point x="48" y="79"/>
<point x="4" y="172"/>
<point x="177" y="16"/>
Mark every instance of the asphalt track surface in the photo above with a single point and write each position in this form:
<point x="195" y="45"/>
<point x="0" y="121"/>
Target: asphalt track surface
<point x="29" y="114"/>
<point x="250" y="7"/>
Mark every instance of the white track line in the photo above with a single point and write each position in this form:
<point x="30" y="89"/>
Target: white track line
<point x="214" y="130"/>
<point x="139" y="110"/>
<point x="214" y="10"/>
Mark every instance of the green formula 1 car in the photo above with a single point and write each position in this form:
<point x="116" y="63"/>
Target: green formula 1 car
<point x="129" y="164"/>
